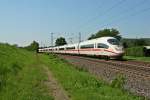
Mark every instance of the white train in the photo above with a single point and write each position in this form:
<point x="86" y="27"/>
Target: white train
<point x="108" y="47"/>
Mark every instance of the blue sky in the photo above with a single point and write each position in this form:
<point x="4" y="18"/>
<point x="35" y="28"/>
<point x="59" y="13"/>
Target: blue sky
<point x="22" y="21"/>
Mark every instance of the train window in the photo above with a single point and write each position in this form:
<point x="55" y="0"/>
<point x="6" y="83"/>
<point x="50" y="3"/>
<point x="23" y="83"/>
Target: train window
<point x="87" y="46"/>
<point x="50" y="49"/>
<point x="61" y="48"/>
<point x="113" y="41"/>
<point x="101" y="45"/>
<point x="68" y="48"/>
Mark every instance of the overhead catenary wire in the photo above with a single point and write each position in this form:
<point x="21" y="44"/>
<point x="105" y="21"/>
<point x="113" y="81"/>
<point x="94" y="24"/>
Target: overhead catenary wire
<point x="131" y="15"/>
<point x="102" y="14"/>
<point x="119" y="3"/>
<point x="103" y="23"/>
<point x="110" y="9"/>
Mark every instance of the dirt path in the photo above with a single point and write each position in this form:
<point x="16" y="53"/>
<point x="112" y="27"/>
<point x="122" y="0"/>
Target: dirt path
<point x="55" y="89"/>
<point x="53" y="86"/>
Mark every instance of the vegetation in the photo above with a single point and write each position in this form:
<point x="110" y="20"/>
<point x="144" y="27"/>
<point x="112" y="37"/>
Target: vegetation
<point x="135" y="47"/>
<point x="106" y="32"/>
<point x="21" y="76"/>
<point x="81" y="85"/>
<point x="145" y="59"/>
<point x="118" y="82"/>
<point x="135" y="42"/>
<point x="60" y="41"/>
<point x="134" y="51"/>
<point x="33" y="46"/>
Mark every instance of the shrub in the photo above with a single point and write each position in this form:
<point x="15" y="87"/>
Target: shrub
<point x="134" y="51"/>
<point x="118" y="82"/>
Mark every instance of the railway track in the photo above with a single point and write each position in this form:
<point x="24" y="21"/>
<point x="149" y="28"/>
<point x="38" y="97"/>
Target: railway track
<point x="138" y="69"/>
<point x="138" y="75"/>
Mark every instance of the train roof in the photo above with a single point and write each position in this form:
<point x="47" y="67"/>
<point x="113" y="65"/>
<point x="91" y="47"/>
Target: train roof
<point x="87" y="41"/>
<point x="98" y="39"/>
<point x="101" y="38"/>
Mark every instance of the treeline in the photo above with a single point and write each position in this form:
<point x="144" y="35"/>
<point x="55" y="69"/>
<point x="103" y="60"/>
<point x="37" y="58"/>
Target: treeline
<point x="135" y="51"/>
<point x="32" y="47"/>
<point x="127" y="43"/>
<point x="135" y="47"/>
<point x="106" y="32"/>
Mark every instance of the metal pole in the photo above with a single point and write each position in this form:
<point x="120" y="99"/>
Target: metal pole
<point x="52" y="39"/>
<point x="79" y="37"/>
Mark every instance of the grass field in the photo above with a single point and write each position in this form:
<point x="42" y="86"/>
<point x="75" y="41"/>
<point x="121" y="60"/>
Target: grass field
<point x="81" y="85"/>
<point x="21" y="77"/>
<point x="145" y="59"/>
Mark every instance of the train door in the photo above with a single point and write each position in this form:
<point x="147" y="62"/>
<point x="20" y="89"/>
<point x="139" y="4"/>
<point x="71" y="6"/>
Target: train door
<point x="100" y="49"/>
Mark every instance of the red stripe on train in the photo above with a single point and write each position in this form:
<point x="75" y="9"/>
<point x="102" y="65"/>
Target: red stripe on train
<point x="93" y="50"/>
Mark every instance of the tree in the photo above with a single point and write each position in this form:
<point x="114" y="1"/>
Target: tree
<point x="106" y="32"/>
<point x="125" y="45"/>
<point x="92" y="37"/>
<point x="60" y="41"/>
<point x="140" y="42"/>
<point x="33" y="46"/>
<point x="15" y="45"/>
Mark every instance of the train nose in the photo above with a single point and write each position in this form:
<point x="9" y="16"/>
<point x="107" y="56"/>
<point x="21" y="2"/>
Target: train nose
<point x="119" y="49"/>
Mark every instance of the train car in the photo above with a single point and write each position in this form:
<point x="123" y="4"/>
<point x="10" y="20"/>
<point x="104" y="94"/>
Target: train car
<point x="72" y="49"/>
<point x="55" y="50"/>
<point x="62" y="49"/>
<point x="108" y="47"/>
<point x="103" y="47"/>
<point x="42" y="50"/>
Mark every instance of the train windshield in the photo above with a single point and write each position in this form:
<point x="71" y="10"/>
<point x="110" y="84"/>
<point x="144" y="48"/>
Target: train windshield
<point x="113" y="41"/>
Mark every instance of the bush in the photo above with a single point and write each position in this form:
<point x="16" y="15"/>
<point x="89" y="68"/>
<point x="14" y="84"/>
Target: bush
<point x="118" y="82"/>
<point x="134" y="51"/>
<point x="33" y="46"/>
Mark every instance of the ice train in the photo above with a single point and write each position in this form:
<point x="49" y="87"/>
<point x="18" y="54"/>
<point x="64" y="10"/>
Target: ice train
<point x="107" y="47"/>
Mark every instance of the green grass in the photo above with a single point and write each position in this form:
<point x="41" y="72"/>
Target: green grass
<point x="145" y="59"/>
<point x="21" y="76"/>
<point x="81" y="85"/>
